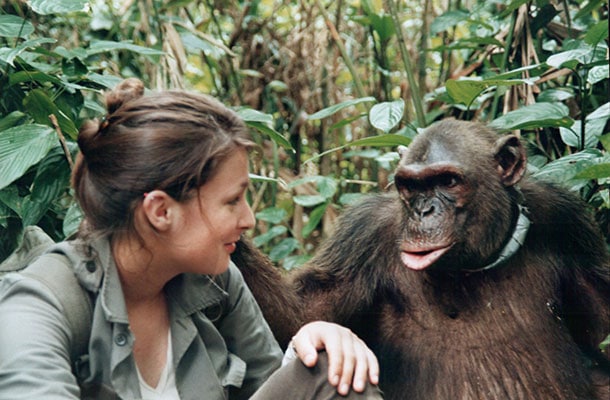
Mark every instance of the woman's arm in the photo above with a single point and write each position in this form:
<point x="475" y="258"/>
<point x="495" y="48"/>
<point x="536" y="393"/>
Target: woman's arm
<point x="34" y="343"/>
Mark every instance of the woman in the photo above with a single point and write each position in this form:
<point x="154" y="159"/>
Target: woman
<point x="162" y="181"/>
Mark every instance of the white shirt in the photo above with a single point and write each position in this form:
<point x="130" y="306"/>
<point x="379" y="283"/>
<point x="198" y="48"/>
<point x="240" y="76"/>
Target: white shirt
<point x="166" y="388"/>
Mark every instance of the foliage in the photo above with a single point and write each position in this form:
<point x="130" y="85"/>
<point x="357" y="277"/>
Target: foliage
<point x="328" y="88"/>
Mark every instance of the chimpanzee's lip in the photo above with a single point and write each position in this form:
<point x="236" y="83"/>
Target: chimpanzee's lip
<point x="421" y="258"/>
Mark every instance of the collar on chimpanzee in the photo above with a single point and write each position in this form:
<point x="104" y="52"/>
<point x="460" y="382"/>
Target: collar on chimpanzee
<point x="515" y="242"/>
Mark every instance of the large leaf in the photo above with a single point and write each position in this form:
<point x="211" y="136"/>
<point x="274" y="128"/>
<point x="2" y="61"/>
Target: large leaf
<point x="538" y="115"/>
<point x="448" y="20"/>
<point x="40" y="106"/>
<point x="465" y="91"/>
<point x="12" y="26"/>
<point x="9" y="56"/>
<point x="20" y="148"/>
<point x="387" y="115"/>
<point x="104" y="46"/>
<point x="565" y="170"/>
<point x="328" y="111"/>
<point x="273" y="215"/>
<point x="46" y="7"/>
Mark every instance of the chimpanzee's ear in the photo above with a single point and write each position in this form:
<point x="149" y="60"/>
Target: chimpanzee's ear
<point x="511" y="158"/>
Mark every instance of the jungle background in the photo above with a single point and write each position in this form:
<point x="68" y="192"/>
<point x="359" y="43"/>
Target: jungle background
<point x="329" y="89"/>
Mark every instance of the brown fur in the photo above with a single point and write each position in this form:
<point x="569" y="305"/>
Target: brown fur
<point x="528" y="329"/>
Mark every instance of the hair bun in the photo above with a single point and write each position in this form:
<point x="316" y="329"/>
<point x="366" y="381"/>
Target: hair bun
<point x="129" y="89"/>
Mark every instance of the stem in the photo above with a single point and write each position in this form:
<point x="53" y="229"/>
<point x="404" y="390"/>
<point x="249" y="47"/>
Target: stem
<point x="507" y="46"/>
<point x="342" y="50"/>
<point x="416" y="96"/>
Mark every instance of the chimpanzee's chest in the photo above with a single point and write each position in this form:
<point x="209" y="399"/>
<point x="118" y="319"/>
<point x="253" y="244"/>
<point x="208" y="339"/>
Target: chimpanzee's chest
<point x="503" y="339"/>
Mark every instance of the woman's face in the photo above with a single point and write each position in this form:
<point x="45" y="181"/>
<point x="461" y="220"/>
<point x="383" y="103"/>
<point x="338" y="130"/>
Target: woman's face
<point x="214" y="219"/>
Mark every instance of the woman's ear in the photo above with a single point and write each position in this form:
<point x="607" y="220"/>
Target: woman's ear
<point x="158" y="209"/>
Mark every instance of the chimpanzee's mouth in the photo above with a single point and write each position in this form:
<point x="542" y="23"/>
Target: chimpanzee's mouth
<point x="421" y="258"/>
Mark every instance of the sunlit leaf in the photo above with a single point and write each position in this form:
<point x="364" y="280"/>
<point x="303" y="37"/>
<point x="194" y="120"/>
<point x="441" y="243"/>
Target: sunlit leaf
<point x="22" y="147"/>
<point x="309" y="200"/>
<point x="465" y="91"/>
<point x="385" y="116"/>
<point x="274" y="215"/>
<point x="597" y="171"/>
<point x="328" y="111"/>
<point x="46" y="7"/>
<point x="13" y="26"/>
<point x="103" y="46"/>
<point x="538" y="115"/>
<point x="9" y="56"/>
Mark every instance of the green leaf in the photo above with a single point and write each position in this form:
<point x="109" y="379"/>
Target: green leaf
<point x="46" y="7"/>
<point x="315" y="216"/>
<point x="12" y="119"/>
<point x="103" y="46"/>
<point x="350" y="198"/>
<point x="565" y="169"/>
<point x="40" y="106"/>
<point x="283" y="249"/>
<point x="383" y="25"/>
<point x="597" y="171"/>
<point x="597" y="33"/>
<point x="260" y="240"/>
<point x="448" y="20"/>
<point x="72" y="220"/>
<point x="538" y="115"/>
<point x="273" y="215"/>
<point x="328" y="111"/>
<point x="251" y="115"/>
<point x="555" y="95"/>
<point x="309" y="200"/>
<point x="387" y="115"/>
<point x="272" y="133"/>
<point x="12" y="26"/>
<point x="22" y="147"/>
<point x="465" y="91"/>
<point x="10" y="56"/>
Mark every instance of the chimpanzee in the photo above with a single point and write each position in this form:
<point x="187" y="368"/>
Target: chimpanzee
<point x="468" y="281"/>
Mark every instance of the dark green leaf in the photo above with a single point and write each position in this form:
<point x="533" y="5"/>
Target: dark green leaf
<point x="315" y="216"/>
<point x="12" y="119"/>
<point x="40" y="107"/>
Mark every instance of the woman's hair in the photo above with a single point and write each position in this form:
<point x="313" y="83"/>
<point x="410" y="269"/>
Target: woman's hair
<point x="171" y="141"/>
